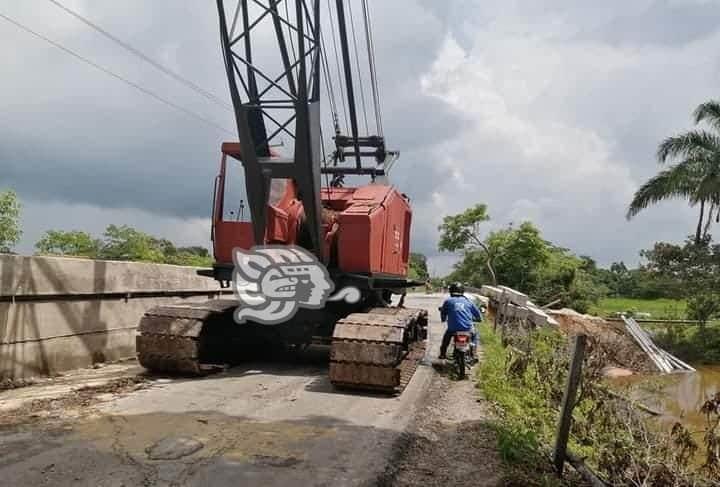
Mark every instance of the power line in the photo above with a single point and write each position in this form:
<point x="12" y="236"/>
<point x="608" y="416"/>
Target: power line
<point x="177" y="77"/>
<point x="115" y="75"/>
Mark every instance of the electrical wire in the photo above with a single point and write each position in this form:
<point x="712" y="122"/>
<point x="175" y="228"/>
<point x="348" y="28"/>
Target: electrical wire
<point x="164" y="69"/>
<point x="115" y="75"/>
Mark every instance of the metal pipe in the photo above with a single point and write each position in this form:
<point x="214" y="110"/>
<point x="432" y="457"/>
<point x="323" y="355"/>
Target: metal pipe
<point x="157" y="293"/>
<point x="68" y="335"/>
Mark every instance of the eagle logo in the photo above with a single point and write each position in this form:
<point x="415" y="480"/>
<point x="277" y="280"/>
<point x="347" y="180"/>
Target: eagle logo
<point x="273" y="281"/>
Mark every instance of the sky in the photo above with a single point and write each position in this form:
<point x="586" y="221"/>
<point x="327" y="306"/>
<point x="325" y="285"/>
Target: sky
<point x="545" y="111"/>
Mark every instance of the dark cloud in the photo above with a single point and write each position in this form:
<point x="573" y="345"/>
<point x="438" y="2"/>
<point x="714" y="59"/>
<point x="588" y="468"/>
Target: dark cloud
<point x="663" y="22"/>
<point x="169" y="174"/>
<point x="543" y="110"/>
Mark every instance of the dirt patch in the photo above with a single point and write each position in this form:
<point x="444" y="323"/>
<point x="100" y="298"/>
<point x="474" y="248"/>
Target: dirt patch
<point x="7" y="384"/>
<point x="450" y="442"/>
<point x="619" y="347"/>
<point x="68" y="404"/>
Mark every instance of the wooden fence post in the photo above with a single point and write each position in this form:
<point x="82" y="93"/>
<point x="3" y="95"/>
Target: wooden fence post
<point x="568" y="402"/>
<point x="498" y="314"/>
<point x="504" y="319"/>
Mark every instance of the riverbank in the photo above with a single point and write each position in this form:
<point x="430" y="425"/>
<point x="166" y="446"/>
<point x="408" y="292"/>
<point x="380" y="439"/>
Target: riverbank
<point x="526" y="380"/>
<point x="524" y="420"/>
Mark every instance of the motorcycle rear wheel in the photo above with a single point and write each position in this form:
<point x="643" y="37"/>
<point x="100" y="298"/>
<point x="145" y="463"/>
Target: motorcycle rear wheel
<point x="460" y="363"/>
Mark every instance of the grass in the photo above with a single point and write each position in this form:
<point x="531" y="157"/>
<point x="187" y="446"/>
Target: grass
<point x="662" y="308"/>
<point x="526" y="421"/>
<point x="691" y="343"/>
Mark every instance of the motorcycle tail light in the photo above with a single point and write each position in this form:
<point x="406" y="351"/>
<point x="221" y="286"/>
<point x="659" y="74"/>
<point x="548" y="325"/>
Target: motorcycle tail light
<point x="461" y="338"/>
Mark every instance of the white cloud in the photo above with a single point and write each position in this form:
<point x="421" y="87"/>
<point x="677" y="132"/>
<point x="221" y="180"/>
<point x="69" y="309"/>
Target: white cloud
<point x="540" y="147"/>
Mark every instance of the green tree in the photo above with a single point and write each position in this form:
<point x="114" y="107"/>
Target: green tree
<point x="692" y="262"/>
<point x="519" y="253"/>
<point x="195" y="250"/>
<point x="695" y="170"/>
<point x="68" y="243"/>
<point x="673" y="270"/>
<point x="418" y="267"/>
<point x="10" y="232"/>
<point x="462" y="233"/>
<point x="126" y="243"/>
<point x="527" y="262"/>
<point x="703" y="307"/>
<point x="122" y="242"/>
<point x="621" y="280"/>
<point x="189" y="256"/>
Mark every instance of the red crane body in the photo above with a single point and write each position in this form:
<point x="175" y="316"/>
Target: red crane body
<point x="360" y="234"/>
<point x="365" y="230"/>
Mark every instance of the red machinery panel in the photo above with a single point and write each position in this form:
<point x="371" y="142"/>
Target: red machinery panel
<point x="369" y="226"/>
<point x="374" y="232"/>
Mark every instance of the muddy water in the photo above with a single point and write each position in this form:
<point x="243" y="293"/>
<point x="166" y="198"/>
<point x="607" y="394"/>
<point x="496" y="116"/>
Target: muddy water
<point x="678" y="396"/>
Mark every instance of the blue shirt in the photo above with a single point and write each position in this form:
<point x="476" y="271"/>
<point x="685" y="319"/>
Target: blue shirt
<point x="460" y="313"/>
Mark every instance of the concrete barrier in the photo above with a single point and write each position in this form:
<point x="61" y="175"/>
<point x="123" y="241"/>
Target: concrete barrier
<point x="58" y="314"/>
<point x="516" y="305"/>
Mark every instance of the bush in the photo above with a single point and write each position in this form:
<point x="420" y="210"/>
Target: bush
<point x="693" y="344"/>
<point x="702" y="307"/>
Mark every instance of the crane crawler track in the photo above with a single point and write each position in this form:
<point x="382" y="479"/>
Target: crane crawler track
<point x="378" y="350"/>
<point x="170" y="338"/>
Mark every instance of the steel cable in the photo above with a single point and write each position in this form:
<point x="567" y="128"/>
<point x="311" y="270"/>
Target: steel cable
<point x="370" y="43"/>
<point x="357" y="62"/>
<point x="115" y="75"/>
<point x="164" y="69"/>
<point x="337" y="63"/>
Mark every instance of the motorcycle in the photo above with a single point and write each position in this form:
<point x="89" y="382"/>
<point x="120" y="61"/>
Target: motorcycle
<point x="463" y="352"/>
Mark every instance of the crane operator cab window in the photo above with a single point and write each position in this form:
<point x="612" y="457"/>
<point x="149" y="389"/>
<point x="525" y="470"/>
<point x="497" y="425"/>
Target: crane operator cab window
<point x="235" y="206"/>
<point x="235" y="201"/>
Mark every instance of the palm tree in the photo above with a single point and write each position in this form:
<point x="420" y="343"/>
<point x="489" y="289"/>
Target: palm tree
<point x="695" y="170"/>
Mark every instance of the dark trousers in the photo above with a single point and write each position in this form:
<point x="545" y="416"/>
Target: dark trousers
<point x="448" y="336"/>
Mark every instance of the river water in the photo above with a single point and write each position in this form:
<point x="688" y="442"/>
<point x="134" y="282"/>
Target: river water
<point x="678" y="396"/>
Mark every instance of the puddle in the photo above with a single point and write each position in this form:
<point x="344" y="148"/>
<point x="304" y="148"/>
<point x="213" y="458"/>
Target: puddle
<point x="204" y="435"/>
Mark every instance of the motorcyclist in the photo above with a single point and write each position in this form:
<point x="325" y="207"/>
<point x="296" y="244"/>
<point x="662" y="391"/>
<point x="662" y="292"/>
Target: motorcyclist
<point x="459" y="312"/>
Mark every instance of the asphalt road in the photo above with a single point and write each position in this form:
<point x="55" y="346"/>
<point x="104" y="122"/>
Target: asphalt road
<point x="268" y="424"/>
